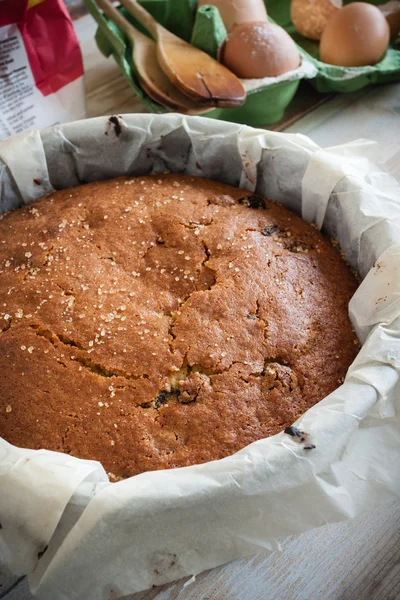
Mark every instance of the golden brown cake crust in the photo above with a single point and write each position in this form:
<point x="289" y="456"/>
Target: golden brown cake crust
<point x="160" y="322"/>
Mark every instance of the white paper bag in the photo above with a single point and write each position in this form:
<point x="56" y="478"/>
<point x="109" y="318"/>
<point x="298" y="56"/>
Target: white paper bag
<point x="41" y="68"/>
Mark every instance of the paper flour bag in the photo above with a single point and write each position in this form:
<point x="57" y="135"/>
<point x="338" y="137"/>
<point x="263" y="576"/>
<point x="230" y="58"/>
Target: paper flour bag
<point x="41" y="70"/>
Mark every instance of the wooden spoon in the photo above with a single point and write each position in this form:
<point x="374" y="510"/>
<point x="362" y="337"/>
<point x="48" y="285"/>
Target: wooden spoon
<point x="194" y="72"/>
<point x="149" y="73"/>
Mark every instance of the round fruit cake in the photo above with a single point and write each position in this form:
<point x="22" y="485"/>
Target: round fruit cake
<point x="165" y="321"/>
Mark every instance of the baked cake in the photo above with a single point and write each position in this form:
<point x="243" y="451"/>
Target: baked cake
<point x="164" y="321"/>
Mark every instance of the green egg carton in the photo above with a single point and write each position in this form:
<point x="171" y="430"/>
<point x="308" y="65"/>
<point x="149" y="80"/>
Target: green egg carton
<point x="267" y="99"/>
<point x="330" y="78"/>
<point x="265" y="103"/>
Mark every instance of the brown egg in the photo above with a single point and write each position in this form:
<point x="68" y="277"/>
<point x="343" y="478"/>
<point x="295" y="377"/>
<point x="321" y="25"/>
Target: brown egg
<point x="310" y="16"/>
<point x="234" y="12"/>
<point x="356" y="35"/>
<point x="261" y="49"/>
<point x="391" y="11"/>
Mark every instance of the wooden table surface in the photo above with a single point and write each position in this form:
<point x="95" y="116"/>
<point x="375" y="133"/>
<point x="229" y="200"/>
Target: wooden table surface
<point x="354" y="560"/>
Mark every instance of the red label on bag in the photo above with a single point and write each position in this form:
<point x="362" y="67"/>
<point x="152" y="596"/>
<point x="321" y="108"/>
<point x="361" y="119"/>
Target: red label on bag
<point x="41" y="70"/>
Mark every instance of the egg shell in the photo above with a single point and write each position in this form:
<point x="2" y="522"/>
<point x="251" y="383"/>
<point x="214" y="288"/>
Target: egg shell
<point x="260" y="49"/>
<point x="357" y="35"/>
<point x="391" y="11"/>
<point x="311" y="16"/>
<point x="234" y="12"/>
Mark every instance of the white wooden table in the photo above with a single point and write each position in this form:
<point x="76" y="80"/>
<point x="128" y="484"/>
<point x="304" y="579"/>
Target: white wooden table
<point x="355" y="560"/>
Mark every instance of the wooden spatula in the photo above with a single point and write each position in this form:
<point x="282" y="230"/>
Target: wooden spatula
<point x="151" y="77"/>
<point x="194" y="72"/>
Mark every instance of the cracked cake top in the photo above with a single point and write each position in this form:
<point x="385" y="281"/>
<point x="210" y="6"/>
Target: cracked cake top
<point x="164" y="321"/>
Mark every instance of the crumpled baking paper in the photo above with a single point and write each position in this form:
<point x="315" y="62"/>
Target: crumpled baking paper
<point x="80" y="537"/>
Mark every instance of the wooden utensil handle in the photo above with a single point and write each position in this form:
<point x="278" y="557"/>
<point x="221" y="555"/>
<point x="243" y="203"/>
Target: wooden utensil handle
<point x="142" y="16"/>
<point x="112" y="13"/>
